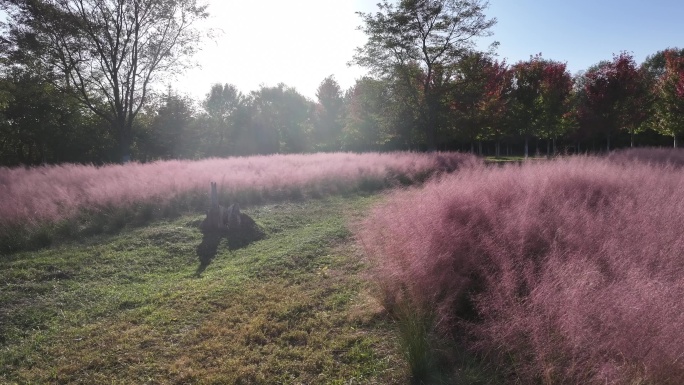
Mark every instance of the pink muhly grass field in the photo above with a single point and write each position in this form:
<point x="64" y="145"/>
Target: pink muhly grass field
<point x="35" y="196"/>
<point x="566" y="272"/>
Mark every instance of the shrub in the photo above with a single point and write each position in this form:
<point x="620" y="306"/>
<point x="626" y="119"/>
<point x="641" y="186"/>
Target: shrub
<point x="565" y="272"/>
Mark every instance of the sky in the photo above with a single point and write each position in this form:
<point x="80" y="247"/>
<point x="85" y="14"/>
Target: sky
<point x="301" y="42"/>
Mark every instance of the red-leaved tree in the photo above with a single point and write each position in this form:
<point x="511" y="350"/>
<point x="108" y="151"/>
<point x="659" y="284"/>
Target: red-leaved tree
<point x="614" y="94"/>
<point x="541" y="89"/>
<point x="493" y="106"/>
<point x="479" y="99"/>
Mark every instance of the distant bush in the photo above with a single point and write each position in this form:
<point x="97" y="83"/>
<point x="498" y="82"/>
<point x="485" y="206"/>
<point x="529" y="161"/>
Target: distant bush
<point x="564" y="272"/>
<point x="38" y="202"/>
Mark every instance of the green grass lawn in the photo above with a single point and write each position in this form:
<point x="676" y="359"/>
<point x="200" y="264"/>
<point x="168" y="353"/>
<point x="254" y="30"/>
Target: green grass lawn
<point x="136" y="308"/>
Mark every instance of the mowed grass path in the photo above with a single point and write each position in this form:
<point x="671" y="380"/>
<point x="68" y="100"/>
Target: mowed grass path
<point x="130" y="309"/>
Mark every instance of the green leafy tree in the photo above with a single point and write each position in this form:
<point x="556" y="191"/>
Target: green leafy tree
<point x="327" y="127"/>
<point x="31" y="120"/>
<point x="555" y="103"/>
<point x="653" y="68"/>
<point x="364" y="122"/>
<point x="379" y="116"/>
<point x="283" y="117"/>
<point x="225" y="106"/>
<point x="669" y="92"/>
<point x="170" y="130"/>
<point x="430" y="34"/>
<point x="402" y="115"/>
<point x="41" y="124"/>
<point x="109" y="52"/>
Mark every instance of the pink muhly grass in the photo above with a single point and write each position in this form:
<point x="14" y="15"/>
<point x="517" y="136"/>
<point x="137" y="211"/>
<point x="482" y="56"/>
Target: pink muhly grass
<point x="35" y="196"/>
<point x="652" y="155"/>
<point x="574" y="269"/>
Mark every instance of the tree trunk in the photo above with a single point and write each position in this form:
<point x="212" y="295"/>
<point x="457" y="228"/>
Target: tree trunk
<point x="675" y="140"/>
<point x="527" y="147"/>
<point x="125" y="147"/>
<point x="479" y="148"/>
<point x="431" y="111"/>
<point x="548" y="148"/>
<point x="631" y="138"/>
<point x="608" y="143"/>
<point x="498" y="149"/>
<point x="125" y="139"/>
<point x="431" y="138"/>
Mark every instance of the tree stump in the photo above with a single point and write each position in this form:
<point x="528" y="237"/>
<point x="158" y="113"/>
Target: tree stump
<point x="238" y="227"/>
<point x="221" y="218"/>
<point x="214" y="219"/>
<point x="231" y="217"/>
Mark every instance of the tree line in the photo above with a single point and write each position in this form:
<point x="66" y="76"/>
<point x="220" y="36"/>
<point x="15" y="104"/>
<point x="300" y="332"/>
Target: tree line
<point x="76" y="76"/>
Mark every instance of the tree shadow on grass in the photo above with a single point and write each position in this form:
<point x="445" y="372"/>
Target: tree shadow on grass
<point x="206" y="251"/>
<point x="248" y="232"/>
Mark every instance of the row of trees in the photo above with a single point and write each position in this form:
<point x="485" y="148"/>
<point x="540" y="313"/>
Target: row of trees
<point x="423" y="51"/>
<point x="75" y="87"/>
<point x="42" y="124"/>
<point x="483" y="102"/>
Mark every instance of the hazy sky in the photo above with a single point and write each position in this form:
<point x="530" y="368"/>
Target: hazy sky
<point x="301" y="42"/>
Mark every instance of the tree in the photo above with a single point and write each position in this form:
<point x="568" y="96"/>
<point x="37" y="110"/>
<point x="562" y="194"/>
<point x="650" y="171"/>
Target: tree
<point x="283" y="115"/>
<point x="653" y="69"/>
<point x="169" y="132"/>
<point x="223" y="104"/>
<point x="541" y="91"/>
<point x="40" y="124"/>
<point x="401" y="112"/>
<point x="669" y="91"/>
<point x="654" y="65"/>
<point x="110" y="52"/>
<point x="574" y="131"/>
<point x="555" y="103"/>
<point x="494" y="106"/>
<point x="31" y="120"/>
<point x="432" y="34"/>
<point x="363" y="127"/>
<point x="480" y="98"/>
<point x="327" y="126"/>
<point x="614" y="98"/>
